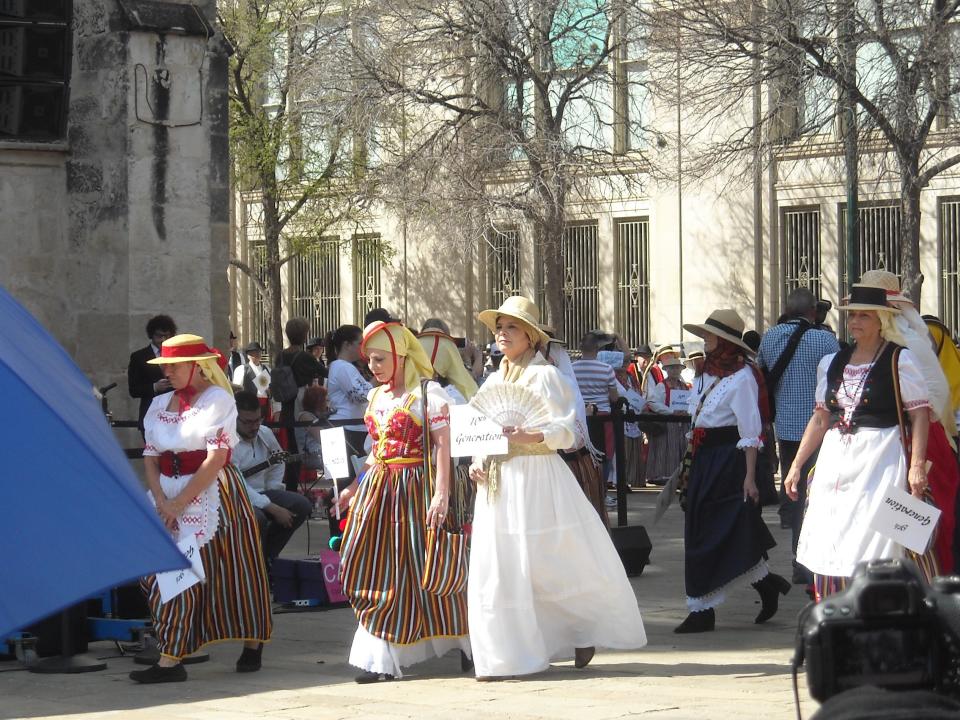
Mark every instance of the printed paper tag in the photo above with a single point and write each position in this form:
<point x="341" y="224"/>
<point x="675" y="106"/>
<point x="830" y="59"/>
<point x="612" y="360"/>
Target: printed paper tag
<point x="906" y="520"/>
<point x="471" y="433"/>
<point x="174" y="582"/>
<point x="333" y="445"/>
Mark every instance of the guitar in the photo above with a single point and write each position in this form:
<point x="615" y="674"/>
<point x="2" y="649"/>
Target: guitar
<point x="275" y="458"/>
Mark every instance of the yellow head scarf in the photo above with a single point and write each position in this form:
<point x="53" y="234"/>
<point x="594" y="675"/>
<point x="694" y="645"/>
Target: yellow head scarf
<point x="394" y="338"/>
<point x="949" y="356"/>
<point x="192" y="348"/>
<point x="443" y="355"/>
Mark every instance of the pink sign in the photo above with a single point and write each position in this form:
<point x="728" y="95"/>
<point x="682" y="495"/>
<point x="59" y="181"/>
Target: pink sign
<point x="330" y="561"/>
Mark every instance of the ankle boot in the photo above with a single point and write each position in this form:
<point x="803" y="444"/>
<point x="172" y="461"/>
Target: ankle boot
<point x="770" y="588"/>
<point x="583" y="656"/>
<point x="250" y="659"/>
<point x="466" y="662"/>
<point x="697" y="622"/>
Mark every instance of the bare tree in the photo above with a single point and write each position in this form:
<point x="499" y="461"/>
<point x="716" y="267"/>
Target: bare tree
<point x="502" y="109"/>
<point x="293" y="118"/>
<point x="904" y="83"/>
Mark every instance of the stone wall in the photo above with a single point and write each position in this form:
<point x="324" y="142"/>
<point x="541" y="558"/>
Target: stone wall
<point x="129" y="216"/>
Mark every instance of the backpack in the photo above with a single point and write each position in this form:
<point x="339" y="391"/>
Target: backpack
<point x="283" y="383"/>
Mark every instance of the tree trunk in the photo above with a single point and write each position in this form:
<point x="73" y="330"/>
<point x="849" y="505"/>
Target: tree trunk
<point x="547" y="234"/>
<point x="273" y="296"/>
<point x="912" y="280"/>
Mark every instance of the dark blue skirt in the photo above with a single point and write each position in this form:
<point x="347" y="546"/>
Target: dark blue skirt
<point x="724" y="536"/>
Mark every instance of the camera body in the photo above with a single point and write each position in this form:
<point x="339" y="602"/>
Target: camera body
<point x="888" y="629"/>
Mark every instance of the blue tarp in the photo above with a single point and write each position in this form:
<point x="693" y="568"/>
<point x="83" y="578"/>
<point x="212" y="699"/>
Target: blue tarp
<point x="74" y="519"/>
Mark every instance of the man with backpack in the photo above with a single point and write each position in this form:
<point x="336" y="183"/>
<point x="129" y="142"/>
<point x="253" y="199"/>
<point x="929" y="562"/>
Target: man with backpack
<point x="788" y="356"/>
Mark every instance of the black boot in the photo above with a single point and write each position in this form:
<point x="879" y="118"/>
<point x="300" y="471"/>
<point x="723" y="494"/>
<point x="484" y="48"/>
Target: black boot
<point x="249" y="660"/>
<point x="159" y="674"/>
<point x="583" y="656"/>
<point x="770" y="587"/>
<point x="697" y="622"/>
<point x="367" y="677"/>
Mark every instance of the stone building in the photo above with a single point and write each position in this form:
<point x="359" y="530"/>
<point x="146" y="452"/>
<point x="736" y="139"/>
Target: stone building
<point x="114" y="173"/>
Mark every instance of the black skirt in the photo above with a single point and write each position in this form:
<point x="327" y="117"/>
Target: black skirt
<point x="724" y="536"/>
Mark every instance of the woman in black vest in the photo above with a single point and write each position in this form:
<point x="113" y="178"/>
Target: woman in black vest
<point x="862" y="456"/>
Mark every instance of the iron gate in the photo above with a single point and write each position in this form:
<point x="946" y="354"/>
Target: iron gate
<point x="633" y="280"/>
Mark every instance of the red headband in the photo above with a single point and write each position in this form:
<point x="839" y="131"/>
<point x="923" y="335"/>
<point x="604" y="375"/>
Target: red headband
<point x="192" y="350"/>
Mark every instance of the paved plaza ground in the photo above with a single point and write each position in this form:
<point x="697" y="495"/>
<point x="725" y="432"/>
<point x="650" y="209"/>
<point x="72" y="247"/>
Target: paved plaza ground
<point x="739" y="671"/>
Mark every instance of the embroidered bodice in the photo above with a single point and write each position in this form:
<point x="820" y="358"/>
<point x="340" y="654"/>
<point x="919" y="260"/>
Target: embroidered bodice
<point x="395" y="423"/>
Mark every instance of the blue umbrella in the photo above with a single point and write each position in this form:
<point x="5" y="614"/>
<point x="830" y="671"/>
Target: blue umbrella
<point x="75" y="519"/>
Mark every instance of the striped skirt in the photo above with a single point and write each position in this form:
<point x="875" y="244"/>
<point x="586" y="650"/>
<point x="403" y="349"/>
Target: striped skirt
<point x="588" y="478"/>
<point x="234" y="602"/>
<point x="382" y="559"/>
<point x="666" y="451"/>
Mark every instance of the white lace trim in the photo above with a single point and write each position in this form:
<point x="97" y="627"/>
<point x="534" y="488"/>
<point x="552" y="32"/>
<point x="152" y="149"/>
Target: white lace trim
<point x="715" y="598"/>
<point x="749" y="443"/>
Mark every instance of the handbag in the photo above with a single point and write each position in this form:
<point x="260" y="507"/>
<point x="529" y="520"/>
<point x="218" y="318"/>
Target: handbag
<point x="445" y="560"/>
<point x="927" y="562"/>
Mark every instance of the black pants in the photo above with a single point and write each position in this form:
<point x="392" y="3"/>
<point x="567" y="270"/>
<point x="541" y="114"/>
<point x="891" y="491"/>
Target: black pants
<point x="793" y="509"/>
<point x="273" y="535"/>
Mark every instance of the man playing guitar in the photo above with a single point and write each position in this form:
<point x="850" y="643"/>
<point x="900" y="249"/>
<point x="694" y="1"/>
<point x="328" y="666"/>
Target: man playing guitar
<point x="258" y="455"/>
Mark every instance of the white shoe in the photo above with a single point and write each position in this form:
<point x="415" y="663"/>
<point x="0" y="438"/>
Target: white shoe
<point x="610" y="502"/>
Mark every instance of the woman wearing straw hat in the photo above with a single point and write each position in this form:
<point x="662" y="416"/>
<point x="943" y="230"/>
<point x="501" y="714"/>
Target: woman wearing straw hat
<point x="545" y="579"/>
<point x="197" y="491"/>
<point x="383" y="550"/>
<point x="862" y="394"/>
<point x="725" y="538"/>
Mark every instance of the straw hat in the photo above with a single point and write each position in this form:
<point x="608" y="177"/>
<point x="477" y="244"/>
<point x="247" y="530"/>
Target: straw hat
<point x="873" y="296"/>
<point x="666" y="350"/>
<point x="886" y="280"/>
<point x="183" y="348"/>
<point x="518" y="308"/>
<point x="725" y="323"/>
<point x="695" y="355"/>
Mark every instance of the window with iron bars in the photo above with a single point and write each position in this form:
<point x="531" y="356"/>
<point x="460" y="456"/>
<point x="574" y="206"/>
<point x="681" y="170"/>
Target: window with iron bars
<point x="256" y="325"/>
<point x="800" y="248"/>
<point x="579" y="283"/>
<point x="948" y="221"/>
<point x="633" y="280"/>
<point x="366" y="275"/>
<point x="878" y="239"/>
<point x="315" y="285"/>
<point x="502" y="250"/>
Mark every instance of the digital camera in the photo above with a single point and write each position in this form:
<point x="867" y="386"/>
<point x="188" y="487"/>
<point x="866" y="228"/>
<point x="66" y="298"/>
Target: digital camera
<point x="888" y="628"/>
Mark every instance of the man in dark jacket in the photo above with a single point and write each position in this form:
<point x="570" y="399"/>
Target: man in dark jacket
<point x="146" y="381"/>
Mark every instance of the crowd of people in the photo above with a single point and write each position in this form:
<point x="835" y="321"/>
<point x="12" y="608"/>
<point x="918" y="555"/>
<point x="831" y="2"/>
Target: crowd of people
<point x="881" y="412"/>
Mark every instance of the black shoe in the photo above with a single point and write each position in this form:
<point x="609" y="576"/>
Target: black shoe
<point x="158" y="674"/>
<point x="250" y="659"/>
<point x="801" y="576"/>
<point x="771" y="587"/>
<point x="367" y="677"/>
<point x="697" y="622"/>
<point x="583" y="656"/>
<point x="466" y="662"/>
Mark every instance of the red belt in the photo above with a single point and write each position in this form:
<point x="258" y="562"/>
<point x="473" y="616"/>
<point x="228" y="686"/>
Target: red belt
<point x="184" y="463"/>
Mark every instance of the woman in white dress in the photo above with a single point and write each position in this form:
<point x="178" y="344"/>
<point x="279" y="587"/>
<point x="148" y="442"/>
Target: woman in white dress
<point x="861" y="456"/>
<point x="545" y="580"/>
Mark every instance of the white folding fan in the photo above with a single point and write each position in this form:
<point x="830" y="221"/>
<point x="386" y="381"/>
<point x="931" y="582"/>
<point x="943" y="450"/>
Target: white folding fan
<point x="509" y="404"/>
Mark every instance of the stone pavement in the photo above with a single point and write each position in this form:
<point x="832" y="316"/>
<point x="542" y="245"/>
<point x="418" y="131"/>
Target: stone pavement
<point x="741" y="670"/>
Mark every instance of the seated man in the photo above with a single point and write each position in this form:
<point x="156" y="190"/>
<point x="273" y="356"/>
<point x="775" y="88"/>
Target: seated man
<point x="279" y="512"/>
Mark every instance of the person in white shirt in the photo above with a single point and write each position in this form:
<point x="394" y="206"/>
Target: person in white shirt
<point x="670" y="397"/>
<point x="279" y="512"/>
<point x="346" y="388"/>
<point x="254" y="377"/>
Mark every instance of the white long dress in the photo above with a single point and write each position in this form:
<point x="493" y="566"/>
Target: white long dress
<point x="852" y="474"/>
<point x="544" y="575"/>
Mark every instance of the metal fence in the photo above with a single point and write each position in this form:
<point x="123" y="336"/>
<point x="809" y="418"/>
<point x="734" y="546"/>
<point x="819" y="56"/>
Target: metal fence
<point x="366" y="275"/>
<point x="878" y="239"/>
<point x="580" y="287"/>
<point x="503" y="265"/>
<point x="800" y="244"/>
<point x="949" y="224"/>
<point x="315" y="285"/>
<point x="633" y="280"/>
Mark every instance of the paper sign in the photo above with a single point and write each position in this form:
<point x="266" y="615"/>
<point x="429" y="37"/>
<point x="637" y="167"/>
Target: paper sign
<point x="330" y="562"/>
<point x="174" y="582"/>
<point x="471" y="433"/>
<point x="906" y="520"/>
<point x="333" y="446"/>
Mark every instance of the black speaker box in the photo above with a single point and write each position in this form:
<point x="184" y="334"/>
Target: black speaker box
<point x="634" y="546"/>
